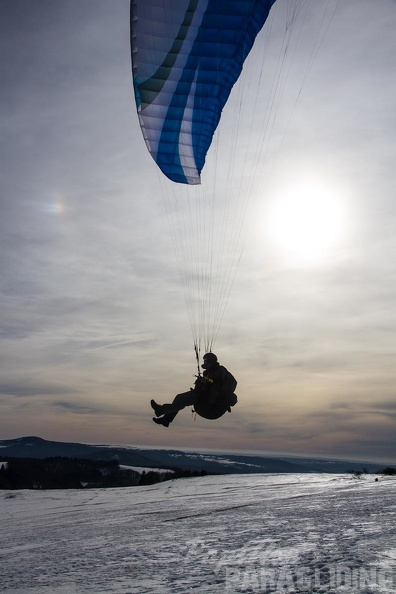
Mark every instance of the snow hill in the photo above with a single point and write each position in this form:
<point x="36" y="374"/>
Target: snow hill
<point x="231" y="533"/>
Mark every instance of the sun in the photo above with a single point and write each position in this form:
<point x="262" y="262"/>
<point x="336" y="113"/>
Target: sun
<point x="306" y="222"/>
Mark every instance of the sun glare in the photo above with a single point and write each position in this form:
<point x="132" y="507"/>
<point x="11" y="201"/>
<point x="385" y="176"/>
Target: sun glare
<point x="306" y="223"/>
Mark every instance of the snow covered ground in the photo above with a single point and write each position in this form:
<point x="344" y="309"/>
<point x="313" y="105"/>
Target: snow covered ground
<point x="232" y="533"/>
<point x="141" y="469"/>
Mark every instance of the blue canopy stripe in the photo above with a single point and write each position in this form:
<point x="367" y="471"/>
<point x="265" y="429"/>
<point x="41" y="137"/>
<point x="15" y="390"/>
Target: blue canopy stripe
<point x="186" y="57"/>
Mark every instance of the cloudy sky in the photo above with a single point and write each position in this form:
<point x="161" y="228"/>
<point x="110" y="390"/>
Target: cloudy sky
<point x="93" y="315"/>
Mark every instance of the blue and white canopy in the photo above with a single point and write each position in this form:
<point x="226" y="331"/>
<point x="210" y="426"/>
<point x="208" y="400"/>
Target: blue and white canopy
<point x="186" y="57"/>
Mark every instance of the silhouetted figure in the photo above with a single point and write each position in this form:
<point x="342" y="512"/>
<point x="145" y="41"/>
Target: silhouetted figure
<point x="212" y="395"/>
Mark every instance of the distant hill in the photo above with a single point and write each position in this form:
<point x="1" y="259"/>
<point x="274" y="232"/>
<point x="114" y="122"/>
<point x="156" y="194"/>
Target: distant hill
<point x="36" y="447"/>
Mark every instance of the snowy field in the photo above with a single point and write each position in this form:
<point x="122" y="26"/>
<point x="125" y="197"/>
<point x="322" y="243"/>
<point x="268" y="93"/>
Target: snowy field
<point x="233" y="533"/>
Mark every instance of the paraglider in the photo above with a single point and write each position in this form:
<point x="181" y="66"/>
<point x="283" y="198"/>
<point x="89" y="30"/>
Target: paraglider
<point x="186" y="57"/>
<point x="212" y="396"/>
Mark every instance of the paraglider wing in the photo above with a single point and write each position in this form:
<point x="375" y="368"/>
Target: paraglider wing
<point x="186" y="57"/>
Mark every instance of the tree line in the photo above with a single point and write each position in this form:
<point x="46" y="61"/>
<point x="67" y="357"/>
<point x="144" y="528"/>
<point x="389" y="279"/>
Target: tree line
<point x="76" y="473"/>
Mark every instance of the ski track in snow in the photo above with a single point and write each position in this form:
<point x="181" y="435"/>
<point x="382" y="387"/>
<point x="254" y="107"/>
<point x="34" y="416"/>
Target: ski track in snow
<point x="233" y="533"/>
